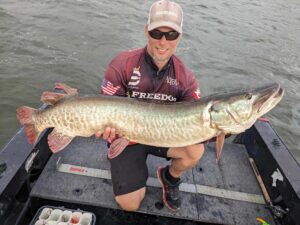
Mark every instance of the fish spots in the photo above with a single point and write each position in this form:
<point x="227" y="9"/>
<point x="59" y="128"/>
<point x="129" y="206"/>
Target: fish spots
<point x="206" y="115"/>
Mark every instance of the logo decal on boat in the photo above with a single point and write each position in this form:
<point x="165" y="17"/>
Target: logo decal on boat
<point x="276" y="176"/>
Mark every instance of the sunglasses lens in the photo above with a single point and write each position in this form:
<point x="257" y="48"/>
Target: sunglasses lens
<point x="156" y="34"/>
<point x="170" y="36"/>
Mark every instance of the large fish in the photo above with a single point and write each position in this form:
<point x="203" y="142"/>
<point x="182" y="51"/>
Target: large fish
<point x="158" y="124"/>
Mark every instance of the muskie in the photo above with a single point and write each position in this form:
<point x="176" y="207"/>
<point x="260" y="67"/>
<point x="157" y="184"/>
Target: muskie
<point x="159" y="124"/>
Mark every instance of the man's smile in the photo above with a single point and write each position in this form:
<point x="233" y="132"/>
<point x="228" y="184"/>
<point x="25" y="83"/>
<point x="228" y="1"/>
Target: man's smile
<point x="161" y="50"/>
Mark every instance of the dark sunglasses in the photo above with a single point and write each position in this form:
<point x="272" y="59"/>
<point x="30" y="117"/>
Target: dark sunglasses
<point x="170" y="35"/>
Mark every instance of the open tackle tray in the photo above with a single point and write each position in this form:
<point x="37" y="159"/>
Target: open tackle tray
<point x="50" y="215"/>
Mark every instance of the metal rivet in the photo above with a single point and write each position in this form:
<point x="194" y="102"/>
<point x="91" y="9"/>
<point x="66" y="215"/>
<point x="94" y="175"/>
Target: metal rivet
<point x="77" y="192"/>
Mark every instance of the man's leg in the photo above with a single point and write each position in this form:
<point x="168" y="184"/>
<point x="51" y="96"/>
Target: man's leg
<point x="131" y="201"/>
<point x="129" y="176"/>
<point x="183" y="158"/>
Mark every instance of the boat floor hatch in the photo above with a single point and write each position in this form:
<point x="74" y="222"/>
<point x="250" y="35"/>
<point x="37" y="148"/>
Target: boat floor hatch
<point x="224" y="193"/>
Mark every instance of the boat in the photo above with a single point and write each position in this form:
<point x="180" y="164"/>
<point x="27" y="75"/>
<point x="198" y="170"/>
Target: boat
<point x="257" y="180"/>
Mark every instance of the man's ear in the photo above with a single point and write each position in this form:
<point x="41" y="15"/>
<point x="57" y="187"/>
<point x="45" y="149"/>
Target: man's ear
<point x="180" y="36"/>
<point x="146" y="30"/>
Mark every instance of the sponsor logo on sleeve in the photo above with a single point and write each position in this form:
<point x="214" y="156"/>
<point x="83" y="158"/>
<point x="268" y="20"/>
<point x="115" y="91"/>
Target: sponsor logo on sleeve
<point x="196" y="94"/>
<point x="108" y="87"/>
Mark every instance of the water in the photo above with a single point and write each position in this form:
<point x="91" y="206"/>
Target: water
<point x="228" y="44"/>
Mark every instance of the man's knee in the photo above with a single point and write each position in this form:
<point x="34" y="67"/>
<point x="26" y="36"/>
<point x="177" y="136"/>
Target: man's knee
<point x="131" y="201"/>
<point x="190" y="154"/>
<point x="194" y="153"/>
<point x="127" y="205"/>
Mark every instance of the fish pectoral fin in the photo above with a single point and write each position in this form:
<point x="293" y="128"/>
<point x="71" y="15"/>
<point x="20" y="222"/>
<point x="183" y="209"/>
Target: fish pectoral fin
<point x="51" y="98"/>
<point x="219" y="146"/>
<point x="58" y="141"/>
<point x="69" y="90"/>
<point x="117" y="147"/>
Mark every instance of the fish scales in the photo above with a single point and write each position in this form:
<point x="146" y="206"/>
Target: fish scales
<point x="138" y="121"/>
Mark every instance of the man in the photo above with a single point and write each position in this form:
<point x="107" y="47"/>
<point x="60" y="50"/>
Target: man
<point x="153" y="72"/>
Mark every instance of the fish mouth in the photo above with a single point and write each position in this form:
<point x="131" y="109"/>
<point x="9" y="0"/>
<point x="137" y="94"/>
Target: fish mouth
<point x="267" y="97"/>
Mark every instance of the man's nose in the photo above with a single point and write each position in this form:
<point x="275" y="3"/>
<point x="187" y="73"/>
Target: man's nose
<point x="163" y="40"/>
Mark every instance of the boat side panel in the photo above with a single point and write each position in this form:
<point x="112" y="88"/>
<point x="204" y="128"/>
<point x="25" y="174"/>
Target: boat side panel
<point x="279" y="170"/>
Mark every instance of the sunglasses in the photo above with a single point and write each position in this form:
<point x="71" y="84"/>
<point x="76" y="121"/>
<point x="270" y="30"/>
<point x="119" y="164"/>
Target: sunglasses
<point x="170" y="35"/>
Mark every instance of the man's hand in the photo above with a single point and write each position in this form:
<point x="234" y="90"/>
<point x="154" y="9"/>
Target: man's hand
<point x="109" y="134"/>
<point x="118" y="143"/>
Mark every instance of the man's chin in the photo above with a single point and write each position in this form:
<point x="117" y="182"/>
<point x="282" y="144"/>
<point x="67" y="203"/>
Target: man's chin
<point x="162" y="59"/>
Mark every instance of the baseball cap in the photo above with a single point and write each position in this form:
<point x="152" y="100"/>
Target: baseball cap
<point x="165" y="13"/>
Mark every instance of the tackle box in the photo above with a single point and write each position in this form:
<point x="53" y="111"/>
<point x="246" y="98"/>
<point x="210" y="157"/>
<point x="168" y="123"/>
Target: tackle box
<point x="50" y="215"/>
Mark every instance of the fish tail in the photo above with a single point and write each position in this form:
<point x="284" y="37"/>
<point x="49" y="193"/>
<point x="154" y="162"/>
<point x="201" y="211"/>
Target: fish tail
<point x="25" y="117"/>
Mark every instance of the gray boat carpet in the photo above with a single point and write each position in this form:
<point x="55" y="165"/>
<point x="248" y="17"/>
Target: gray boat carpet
<point x="233" y="173"/>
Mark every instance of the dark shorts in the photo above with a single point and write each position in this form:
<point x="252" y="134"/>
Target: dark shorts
<point x="129" y="171"/>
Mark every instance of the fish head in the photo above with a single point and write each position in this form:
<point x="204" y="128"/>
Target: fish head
<point x="235" y="112"/>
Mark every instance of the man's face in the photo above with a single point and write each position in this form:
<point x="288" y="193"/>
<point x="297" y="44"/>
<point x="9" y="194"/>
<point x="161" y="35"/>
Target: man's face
<point x="161" y="50"/>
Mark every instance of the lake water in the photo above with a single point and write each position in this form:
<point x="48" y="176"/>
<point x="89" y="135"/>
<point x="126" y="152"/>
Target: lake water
<point x="228" y="44"/>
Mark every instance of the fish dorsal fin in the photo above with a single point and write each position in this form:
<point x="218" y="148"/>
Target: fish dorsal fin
<point x="117" y="147"/>
<point x="51" y="98"/>
<point x="69" y="90"/>
<point x="58" y="141"/>
<point x="219" y="146"/>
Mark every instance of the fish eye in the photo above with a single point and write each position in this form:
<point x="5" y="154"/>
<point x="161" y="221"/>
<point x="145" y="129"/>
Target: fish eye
<point x="214" y="108"/>
<point x="248" y="96"/>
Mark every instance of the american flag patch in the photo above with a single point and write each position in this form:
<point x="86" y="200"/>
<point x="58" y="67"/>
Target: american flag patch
<point x="196" y="94"/>
<point x="108" y="88"/>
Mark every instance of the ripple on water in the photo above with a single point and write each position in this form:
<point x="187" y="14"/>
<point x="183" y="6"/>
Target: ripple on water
<point x="296" y="114"/>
